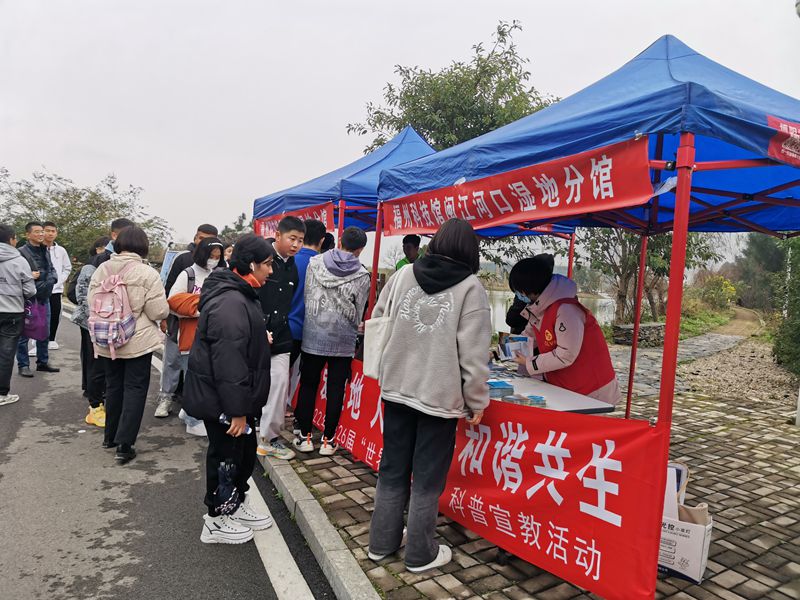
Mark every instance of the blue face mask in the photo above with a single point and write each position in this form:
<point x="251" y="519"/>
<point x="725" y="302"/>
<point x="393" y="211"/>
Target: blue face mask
<point x="522" y="297"/>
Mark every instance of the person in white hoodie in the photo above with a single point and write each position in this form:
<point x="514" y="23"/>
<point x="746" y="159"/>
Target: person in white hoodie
<point x="16" y="286"/>
<point x="433" y="372"/>
<point x="568" y="346"/>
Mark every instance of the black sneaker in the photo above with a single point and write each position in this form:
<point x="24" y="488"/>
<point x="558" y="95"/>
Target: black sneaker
<point x="109" y="444"/>
<point x="47" y="368"/>
<point x="25" y="372"/>
<point x="125" y="454"/>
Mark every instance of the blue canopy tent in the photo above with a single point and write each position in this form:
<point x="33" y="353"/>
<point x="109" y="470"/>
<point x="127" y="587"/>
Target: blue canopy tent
<point x="722" y="154"/>
<point x="353" y="187"/>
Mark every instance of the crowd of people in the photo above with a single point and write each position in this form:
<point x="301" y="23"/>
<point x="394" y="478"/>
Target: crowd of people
<point x="243" y="329"/>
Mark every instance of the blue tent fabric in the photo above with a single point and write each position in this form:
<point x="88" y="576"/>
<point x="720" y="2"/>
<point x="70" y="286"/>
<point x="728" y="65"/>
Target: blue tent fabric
<point x="356" y="182"/>
<point x="667" y="89"/>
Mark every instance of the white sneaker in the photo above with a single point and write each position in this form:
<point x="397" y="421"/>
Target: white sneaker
<point x="197" y="428"/>
<point x="247" y="517"/>
<point x="303" y="444"/>
<point x="445" y="556"/>
<point x="32" y="352"/>
<point x="52" y="346"/>
<point x="379" y="557"/>
<point x="222" y="530"/>
<point x="164" y="406"/>
<point x="327" y="448"/>
<point x="8" y="399"/>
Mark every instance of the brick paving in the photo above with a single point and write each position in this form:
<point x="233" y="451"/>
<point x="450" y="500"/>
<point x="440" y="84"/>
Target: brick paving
<point x="745" y="463"/>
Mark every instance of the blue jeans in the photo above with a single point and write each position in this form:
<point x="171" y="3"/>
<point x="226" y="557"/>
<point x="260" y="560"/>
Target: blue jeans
<point x="42" y="355"/>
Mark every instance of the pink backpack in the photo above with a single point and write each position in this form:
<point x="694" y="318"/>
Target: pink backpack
<point x="111" y="322"/>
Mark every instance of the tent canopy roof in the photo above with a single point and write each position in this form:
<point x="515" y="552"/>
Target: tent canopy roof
<point x="356" y="182"/>
<point x="667" y="89"/>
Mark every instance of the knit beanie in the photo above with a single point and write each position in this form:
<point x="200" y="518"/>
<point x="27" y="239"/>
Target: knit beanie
<point x="532" y="274"/>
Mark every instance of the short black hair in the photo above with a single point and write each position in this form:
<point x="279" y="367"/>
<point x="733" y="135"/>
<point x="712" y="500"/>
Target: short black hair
<point x="353" y="238"/>
<point x="49" y="224"/>
<point x="328" y="242"/>
<point x="457" y="241"/>
<point x="412" y="239"/>
<point x="290" y="223"/>
<point x="132" y="239"/>
<point x="202" y="251"/>
<point x="315" y="232"/>
<point x="6" y="234"/>
<point x="120" y="224"/>
<point x="532" y="274"/>
<point x="207" y="229"/>
<point x="100" y="242"/>
<point x="30" y="225"/>
<point x="250" y="248"/>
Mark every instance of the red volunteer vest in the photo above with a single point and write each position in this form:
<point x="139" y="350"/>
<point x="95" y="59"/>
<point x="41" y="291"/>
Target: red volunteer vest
<point x="593" y="368"/>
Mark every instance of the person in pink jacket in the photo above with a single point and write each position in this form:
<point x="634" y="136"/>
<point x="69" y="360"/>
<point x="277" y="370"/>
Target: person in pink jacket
<point x="569" y="348"/>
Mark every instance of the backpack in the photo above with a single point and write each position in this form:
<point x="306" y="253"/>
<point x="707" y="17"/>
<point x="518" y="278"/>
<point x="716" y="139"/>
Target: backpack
<point x="111" y="321"/>
<point x="173" y="322"/>
<point x="72" y="288"/>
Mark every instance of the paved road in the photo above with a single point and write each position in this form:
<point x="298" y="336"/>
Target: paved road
<point x="76" y="525"/>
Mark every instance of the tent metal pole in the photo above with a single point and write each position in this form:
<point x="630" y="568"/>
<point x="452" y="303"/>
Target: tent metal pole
<point x="340" y="226"/>
<point x="571" y="262"/>
<point x="637" y="321"/>
<point x="669" y="364"/>
<point x="376" y="255"/>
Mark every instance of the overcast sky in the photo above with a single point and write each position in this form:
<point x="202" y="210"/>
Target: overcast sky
<point x="207" y="105"/>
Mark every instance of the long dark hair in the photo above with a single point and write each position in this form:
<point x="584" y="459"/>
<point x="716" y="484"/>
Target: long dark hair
<point x="456" y="240"/>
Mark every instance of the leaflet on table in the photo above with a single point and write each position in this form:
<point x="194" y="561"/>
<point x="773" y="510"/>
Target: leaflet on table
<point x="509" y="346"/>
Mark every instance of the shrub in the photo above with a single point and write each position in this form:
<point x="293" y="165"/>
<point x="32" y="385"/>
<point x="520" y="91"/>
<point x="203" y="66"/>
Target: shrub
<point x="718" y="292"/>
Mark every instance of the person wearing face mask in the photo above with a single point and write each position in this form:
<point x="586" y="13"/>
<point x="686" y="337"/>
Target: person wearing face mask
<point x="183" y="300"/>
<point x="569" y="349"/>
<point x="227" y="384"/>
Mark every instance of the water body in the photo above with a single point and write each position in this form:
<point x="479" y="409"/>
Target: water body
<point x="601" y="307"/>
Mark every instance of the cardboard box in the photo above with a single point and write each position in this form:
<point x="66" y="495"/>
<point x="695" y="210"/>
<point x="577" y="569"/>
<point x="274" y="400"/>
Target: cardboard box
<point x="684" y="548"/>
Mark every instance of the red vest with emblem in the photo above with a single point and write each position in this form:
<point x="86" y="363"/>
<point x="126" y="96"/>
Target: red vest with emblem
<point x="592" y="368"/>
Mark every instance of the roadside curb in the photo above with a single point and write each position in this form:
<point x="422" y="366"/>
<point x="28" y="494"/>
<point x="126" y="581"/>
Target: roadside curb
<point x="344" y="573"/>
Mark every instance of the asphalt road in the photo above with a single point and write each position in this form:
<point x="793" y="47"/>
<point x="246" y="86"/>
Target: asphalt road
<point x="76" y="525"/>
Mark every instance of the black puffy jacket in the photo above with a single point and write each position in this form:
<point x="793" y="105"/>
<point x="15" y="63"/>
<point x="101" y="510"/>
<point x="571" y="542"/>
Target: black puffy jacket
<point x="39" y="260"/>
<point x="229" y="361"/>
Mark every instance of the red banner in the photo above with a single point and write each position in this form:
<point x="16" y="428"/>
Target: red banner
<point x="785" y="144"/>
<point x="608" y="178"/>
<point x="268" y="226"/>
<point x="578" y="495"/>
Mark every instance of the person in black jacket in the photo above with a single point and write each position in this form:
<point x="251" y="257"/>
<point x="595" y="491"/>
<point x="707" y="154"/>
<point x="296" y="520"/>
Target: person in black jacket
<point x="117" y="225"/>
<point x="45" y="277"/>
<point x="228" y="381"/>
<point x="276" y="302"/>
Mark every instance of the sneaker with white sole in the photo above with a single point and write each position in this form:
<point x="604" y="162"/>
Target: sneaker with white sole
<point x="327" y="448"/>
<point x="445" y="556"/>
<point x="246" y="516"/>
<point x="164" y="406"/>
<point x="8" y="399"/>
<point x="303" y="444"/>
<point x="32" y="352"/>
<point x="53" y="346"/>
<point x="196" y="427"/>
<point x="276" y="449"/>
<point x="223" y="530"/>
<point x="378" y="557"/>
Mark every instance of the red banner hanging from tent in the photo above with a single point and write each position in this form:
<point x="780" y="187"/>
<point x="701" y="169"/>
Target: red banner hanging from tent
<point x="578" y="495"/>
<point x="268" y="226"/>
<point x="785" y="144"/>
<point x="607" y="178"/>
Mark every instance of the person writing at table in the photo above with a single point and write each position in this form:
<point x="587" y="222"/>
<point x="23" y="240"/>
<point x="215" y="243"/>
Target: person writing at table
<point x="569" y="349"/>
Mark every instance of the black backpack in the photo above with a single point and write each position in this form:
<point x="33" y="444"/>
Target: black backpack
<point x="72" y="288"/>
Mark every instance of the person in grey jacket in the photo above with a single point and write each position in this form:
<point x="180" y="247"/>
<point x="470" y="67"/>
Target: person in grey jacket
<point x="16" y="286"/>
<point x="336" y="290"/>
<point x="439" y="311"/>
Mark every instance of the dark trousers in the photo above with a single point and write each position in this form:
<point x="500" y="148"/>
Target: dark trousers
<point x="419" y="446"/>
<point x="10" y="330"/>
<point x="127" y="382"/>
<point x="221" y="447"/>
<point x="311" y="366"/>
<point x="93" y="375"/>
<point x="55" y="314"/>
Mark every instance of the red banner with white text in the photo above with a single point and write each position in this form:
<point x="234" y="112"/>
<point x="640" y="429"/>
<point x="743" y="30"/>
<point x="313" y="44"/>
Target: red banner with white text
<point x="578" y="495"/>
<point x="608" y="178"/>
<point x="268" y="226"/>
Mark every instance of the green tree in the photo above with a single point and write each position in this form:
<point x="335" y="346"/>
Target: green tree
<point x="82" y="213"/>
<point x="759" y="272"/>
<point x="241" y="226"/>
<point x="787" y="337"/>
<point x="458" y="103"/>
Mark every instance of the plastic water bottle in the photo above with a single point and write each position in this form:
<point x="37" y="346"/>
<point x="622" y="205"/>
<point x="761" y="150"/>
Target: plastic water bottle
<point x="224" y="420"/>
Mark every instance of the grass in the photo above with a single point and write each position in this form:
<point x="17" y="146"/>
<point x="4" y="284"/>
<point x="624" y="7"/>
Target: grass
<point x="702" y="320"/>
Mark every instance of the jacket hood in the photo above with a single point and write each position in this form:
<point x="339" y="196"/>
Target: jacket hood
<point x="341" y="263"/>
<point x="332" y="270"/>
<point x="221" y="281"/>
<point x="435" y="273"/>
<point x="559" y="288"/>
<point x="7" y="252"/>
